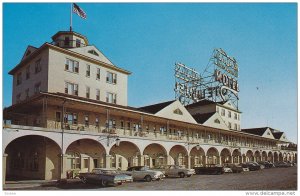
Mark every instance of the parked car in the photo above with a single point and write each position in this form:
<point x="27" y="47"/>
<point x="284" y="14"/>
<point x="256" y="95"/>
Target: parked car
<point x="227" y="169"/>
<point x="282" y="164"/>
<point x="175" y="170"/>
<point x="234" y="167"/>
<point x="209" y="169"/>
<point x="105" y="177"/>
<point x="252" y="166"/>
<point x="245" y="167"/>
<point x="266" y="164"/>
<point x="144" y="173"/>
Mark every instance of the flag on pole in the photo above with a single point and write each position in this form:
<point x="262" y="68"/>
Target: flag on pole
<point x="79" y="11"/>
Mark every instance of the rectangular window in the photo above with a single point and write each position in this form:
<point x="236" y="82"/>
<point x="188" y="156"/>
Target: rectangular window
<point x="87" y="92"/>
<point x="38" y="67"/>
<point x="229" y="125"/>
<point x="97" y="121"/>
<point x="128" y="125"/>
<point x="235" y="126"/>
<point x="111" y="123"/>
<point x="57" y="117"/>
<point x="70" y="118"/>
<point x="229" y="114"/>
<point x="18" y="98"/>
<point x="78" y="43"/>
<point x="223" y="112"/>
<point x="37" y="88"/>
<point x="19" y="78"/>
<point x="27" y="93"/>
<point x="98" y="94"/>
<point x="86" y="120"/>
<point x="235" y="116"/>
<point x="122" y="124"/>
<point x="85" y="163"/>
<point x="28" y="72"/>
<point x="72" y="66"/>
<point x="71" y="89"/>
<point x="88" y="71"/>
<point x="98" y="74"/>
<point x="111" y="78"/>
<point x="67" y="41"/>
<point x="111" y="98"/>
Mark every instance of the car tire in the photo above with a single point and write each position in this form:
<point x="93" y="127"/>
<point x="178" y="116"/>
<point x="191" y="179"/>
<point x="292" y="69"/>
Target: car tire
<point x="83" y="180"/>
<point x="148" y="178"/>
<point x="188" y="175"/>
<point x="181" y="175"/>
<point x="104" y="183"/>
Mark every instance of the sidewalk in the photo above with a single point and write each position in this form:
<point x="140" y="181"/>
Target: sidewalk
<point x="22" y="184"/>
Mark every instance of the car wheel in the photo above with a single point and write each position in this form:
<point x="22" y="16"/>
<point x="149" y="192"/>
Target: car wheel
<point x="83" y="180"/>
<point x="188" y="175"/>
<point x="104" y="183"/>
<point x="148" y="178"/>
<point x="181" y="175"/>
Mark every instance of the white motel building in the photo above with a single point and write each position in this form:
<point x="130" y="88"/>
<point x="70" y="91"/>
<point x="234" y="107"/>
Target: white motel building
<point x="69" y="114"/>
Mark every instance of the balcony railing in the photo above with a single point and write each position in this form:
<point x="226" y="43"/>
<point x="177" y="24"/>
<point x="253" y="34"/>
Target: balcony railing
<point x="139" y="132"/>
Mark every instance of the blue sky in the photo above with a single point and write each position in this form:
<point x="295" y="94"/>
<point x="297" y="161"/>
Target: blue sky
<point x="147" y="39"/>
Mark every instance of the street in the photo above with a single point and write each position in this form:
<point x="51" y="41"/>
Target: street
<point x="266" y="179"/>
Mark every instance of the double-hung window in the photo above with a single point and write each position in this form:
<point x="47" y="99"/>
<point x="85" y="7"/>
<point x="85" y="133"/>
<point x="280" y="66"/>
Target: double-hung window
<point x="72" y="66"/>
<point x="98" y="74"/>
<point x="19" y="78"/>
<point x="97" y="94"/>
<point x="28" y="72"/>
<point x="87" y="92"/>
<point x="88" y="71"/>
<point x="38" y="67"/>
<point x="111" y="78"/>
<point x="111" y="98"/>
<point x="70" y="118"/>
<point x="71" y="89"/>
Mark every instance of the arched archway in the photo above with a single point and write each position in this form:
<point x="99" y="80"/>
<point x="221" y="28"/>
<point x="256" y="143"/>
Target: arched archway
<point x="249" y="156"/>
<point x="179" y="155"/>
<point x="257" y="156"/>
<point x="226" y="156"/>
<point x="212" y="156"/>
<point x="32" y="157"/>
<point x="237" y="156"/>
<point x="276" y="157"/>
<point x="270" y="157"/>
<point x="284" y="156"/>
<point x="264" y="156"/>
<point x="197" y="157"/>
<point x="127" y="154"/>
<point x="280" y="156"/>
<point x="155" y="155"/>
<point x="83" y="155"/>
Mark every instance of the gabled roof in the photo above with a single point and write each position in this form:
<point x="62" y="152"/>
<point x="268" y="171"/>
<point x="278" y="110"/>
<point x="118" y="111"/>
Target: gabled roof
<point x="86" y="51"/>
<point x="155" y="107"/>
<point x="202" y="118"/>
<point x="256" y="131"/>
<point x="277" y="135"/>
<point x="200" y="103"/>
<point x="28" y="51"/>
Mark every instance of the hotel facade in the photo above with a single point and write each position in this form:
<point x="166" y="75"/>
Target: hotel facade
<point x="69" y="114"/>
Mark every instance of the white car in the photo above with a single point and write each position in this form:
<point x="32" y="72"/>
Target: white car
<point x="144" y="173"/>
<point x="176" y="170"/>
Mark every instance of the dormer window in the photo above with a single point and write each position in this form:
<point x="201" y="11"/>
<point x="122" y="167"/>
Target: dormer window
<point x="93" y="52"/>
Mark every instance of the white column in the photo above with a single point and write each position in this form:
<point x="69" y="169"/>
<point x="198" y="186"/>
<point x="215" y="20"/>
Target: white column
<point x="189" y="162"/>
<point x="4" y="158"/>
<point x="107" y="160"/>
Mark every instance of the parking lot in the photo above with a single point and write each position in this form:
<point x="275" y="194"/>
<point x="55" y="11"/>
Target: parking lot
<point x="266" y="179"/>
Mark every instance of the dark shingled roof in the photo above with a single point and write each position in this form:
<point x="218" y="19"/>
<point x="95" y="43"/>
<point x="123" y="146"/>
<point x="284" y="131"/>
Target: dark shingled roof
<point x="202" y="118"/>
<point x="156" y="107"/>
<point x="277" y="135"/>
<point x="203" y="102"/>
<point x="256" y="131"/>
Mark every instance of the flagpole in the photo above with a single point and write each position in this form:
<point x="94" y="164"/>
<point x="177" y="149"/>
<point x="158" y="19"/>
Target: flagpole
<point x="71" y="17"/>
